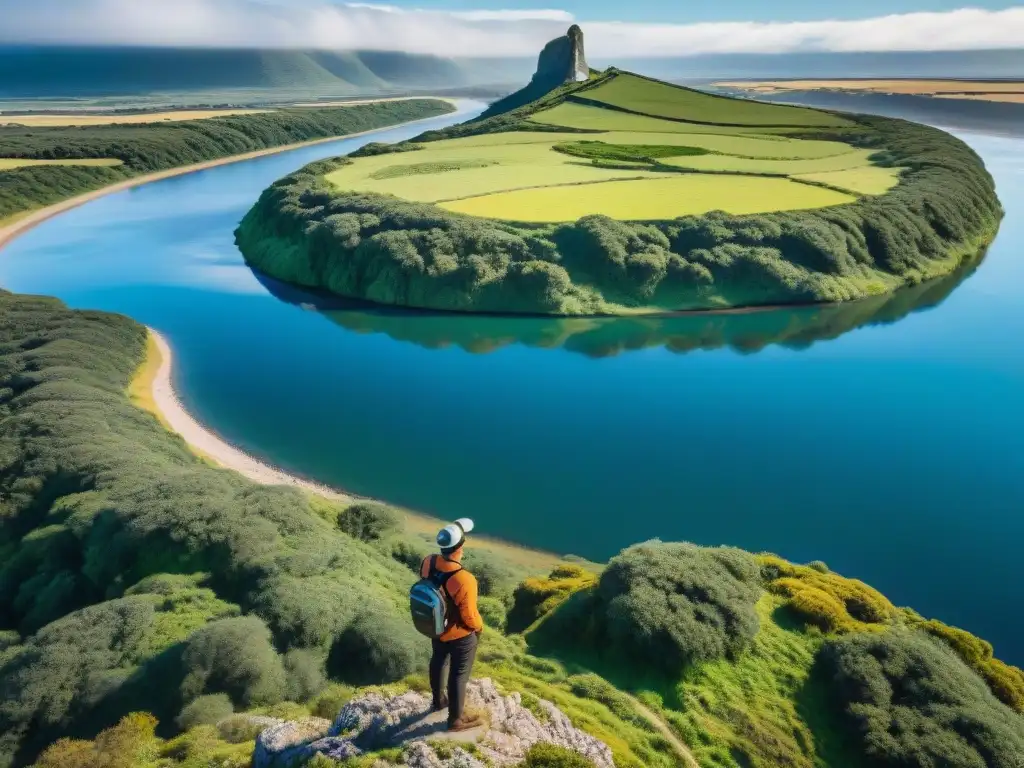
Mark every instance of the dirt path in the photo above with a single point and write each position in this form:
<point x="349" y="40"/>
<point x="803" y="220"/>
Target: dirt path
<point x="663" y="728"/>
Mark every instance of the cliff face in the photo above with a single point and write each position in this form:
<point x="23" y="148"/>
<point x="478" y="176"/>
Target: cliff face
<point x="562" y="61"/>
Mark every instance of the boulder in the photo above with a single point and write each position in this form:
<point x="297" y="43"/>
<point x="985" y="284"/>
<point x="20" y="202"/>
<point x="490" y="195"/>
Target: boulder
<point x="288" y="743"/>
<point x="376" y="721"/>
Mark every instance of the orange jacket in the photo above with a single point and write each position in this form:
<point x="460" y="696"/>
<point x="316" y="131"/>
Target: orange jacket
<point x="462" y="589"/>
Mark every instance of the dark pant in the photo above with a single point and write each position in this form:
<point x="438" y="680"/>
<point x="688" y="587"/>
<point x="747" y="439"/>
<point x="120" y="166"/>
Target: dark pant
<point x="457" y="656"/>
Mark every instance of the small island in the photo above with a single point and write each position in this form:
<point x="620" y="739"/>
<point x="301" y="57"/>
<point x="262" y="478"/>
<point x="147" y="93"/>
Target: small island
<point x="620" y="194"/>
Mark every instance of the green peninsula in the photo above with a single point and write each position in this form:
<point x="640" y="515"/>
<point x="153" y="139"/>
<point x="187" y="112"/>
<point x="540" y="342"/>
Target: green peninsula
<point x="618" y="194"/>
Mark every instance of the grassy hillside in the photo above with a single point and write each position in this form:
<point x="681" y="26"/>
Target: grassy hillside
<point x="135" y="577"/>
<point x="52" y="71"/>
<point x="624" y="195"/>
<point x="98" y="155"/>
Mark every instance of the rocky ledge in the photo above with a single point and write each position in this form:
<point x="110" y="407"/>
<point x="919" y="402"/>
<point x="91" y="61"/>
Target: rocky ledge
<point x="376" y="721"/>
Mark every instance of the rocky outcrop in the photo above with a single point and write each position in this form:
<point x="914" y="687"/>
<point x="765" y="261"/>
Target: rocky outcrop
<point x="562" y="61"/>
<point x="375" y="721"/>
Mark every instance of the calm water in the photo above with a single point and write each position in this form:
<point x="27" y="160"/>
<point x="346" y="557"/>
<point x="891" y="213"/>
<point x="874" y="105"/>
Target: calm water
<point x="884" y="438"/>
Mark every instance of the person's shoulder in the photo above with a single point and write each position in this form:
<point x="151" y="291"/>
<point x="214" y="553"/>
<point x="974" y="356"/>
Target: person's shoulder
<point x="465" y="576"/>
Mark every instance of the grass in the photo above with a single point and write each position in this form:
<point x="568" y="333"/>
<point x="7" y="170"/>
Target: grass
<point x="871" y="180"/>
<point x="657" y="99"/>
<point x="48" y="120"/>
<point x="583" y="117"/>
<point x="7" y="163"/>
<point x="631" y="153"/>
<point x="649" y="199"/>
<point x="417" y="169"/>
<point x="857" y="158"/>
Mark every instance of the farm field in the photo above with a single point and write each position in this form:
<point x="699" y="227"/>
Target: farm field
<point x="49" y="120"/>
<point x="652" y="198"/>
<point x="552" y="176"/>
<point x="658" y="99"/>
<point x="7" y="163"/>
<point x="1011" y="91"/>
<point x="864" y="181"/>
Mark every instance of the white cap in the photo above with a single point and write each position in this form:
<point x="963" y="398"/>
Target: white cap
<point x="452" y="536"/>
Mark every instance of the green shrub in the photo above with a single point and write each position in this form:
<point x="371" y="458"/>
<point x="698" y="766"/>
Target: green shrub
<point x="546" y="755"/>
<point x="377" y="648"/>
<point x="535" y="598"/>
<point x="236" y="657"/>
<point x="330" y="701"/>
<point x="130" y="743"/>
<point x="824" y="599"/>
<point x="493" y="612"/>
<point x="671" y="605"/>
<point x="370" y="521"/>
<point x="206" y="710"/>
<point x="304" y="674"/>
<point x="1005" y="681"/>
<point x="239" y="729"/>
<point x="910" y="702"/>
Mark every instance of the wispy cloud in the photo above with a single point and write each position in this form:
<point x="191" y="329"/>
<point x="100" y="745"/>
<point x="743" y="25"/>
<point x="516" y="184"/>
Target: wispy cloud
<point x="250" y="23"/>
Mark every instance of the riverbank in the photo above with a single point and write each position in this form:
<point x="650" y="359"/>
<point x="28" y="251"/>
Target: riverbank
<point x="152" y="389"/>
<point x="22" y="222"/>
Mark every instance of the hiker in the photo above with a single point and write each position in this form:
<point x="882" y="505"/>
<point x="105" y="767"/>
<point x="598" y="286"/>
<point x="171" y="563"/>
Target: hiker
<point x="444" y="608"/>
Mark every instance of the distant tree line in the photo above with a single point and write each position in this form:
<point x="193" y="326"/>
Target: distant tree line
<point x="387" y="250"/>
<point x="144" y="148"/>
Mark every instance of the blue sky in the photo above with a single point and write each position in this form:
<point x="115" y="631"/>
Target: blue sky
<point x="685" y="11"/>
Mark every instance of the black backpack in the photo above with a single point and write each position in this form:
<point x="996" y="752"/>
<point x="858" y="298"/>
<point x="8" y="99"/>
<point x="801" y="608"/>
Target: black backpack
<point x="430" y="603"/>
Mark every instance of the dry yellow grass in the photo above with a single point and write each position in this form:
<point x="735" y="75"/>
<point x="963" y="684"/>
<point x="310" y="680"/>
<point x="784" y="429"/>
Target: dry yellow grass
<point x="647" y="199"/>
<point x="109" y="119"/>
<point x="6" y="163"/>
<point x="871" y="180"/>
<point x="1007" y="90"/>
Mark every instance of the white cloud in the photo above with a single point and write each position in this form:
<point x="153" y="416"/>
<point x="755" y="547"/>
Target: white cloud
<point x="319" y="24"/>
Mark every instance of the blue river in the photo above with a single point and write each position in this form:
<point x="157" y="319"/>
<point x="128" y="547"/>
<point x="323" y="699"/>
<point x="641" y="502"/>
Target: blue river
<point x="885" y="438"/>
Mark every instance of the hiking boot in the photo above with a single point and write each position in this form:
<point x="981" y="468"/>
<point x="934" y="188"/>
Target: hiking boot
<point x="437" y="707"/>
<point x="465" y="723"/>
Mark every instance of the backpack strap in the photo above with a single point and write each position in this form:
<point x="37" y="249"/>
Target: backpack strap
<point x="439" y="577"/>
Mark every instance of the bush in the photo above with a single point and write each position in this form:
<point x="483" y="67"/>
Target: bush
<point x="535" y="598"/>
<point x="206" y="710"/>
<point x="377" y="648"/>
<point x="239" y="729"/>
<point x="236" y="657"/>
<point x="676" y="604"/>
<point x="824" y="599"/>
<point x="304" y="674"/>
<point x="1005" y="681"/>
<point x="910" y="702"/>
<point x="493" y="612"/>
<point x="546" y="755"/>
<point x="330" y="701"/>
<point x="370" y="522"/>
<point x="130" y="743"/>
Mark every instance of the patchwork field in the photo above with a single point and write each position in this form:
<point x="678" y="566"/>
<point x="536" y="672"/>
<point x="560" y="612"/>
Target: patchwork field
<point x="43" y="121"/>
<point x="651" y="198"/>
<point x="7" y="163"/>
<point x="627" y="166"/>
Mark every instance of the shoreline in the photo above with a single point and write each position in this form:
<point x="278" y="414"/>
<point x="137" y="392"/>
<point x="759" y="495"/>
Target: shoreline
<point x="22" y="222"/>
<point x="156" y="382"/>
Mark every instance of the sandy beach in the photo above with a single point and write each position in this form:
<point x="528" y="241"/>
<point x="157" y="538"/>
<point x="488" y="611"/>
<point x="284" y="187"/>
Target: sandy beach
<point x="207" y="443"/>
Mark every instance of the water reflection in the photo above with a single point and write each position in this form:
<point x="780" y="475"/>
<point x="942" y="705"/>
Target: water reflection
<point x="596" y="337"/>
